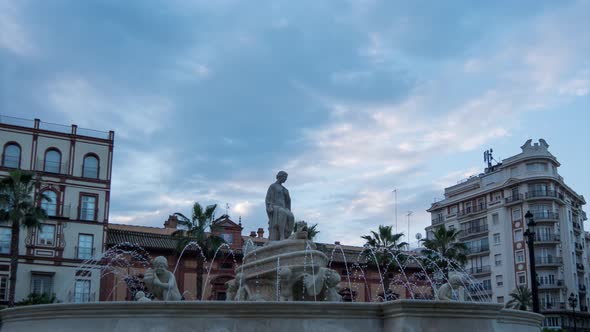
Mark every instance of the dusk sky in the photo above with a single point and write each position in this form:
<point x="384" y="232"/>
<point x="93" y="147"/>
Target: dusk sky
<point x="210" y="99"/>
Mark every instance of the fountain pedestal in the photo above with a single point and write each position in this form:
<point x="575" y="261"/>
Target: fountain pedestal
<point x="287" y="270"/>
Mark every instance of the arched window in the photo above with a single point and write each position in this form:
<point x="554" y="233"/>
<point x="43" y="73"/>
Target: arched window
<point x="11" y="155"/>
<point x="90" y="167"/>
<point x="49" y="203"/>
<point x="52" y="161"/>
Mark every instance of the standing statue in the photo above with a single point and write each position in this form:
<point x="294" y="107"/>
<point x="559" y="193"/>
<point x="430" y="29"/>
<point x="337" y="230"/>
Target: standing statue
<point x="278" y="208"/>
<point x="161" y="282"/>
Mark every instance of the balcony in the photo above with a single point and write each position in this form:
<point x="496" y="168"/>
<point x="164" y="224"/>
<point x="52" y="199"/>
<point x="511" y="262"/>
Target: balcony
<point x="472" y="210"/>
<point x="480" y="270"/>
<point x="546" y="238"/>
<point x="469" y="231"/>
<point x="438" y="220"/>
<point x="579" y="247"/>
<point x="541" y="194"/>
<point x="582" y="288"/>
<point x="541" y="216"/>
<point x="577" y="227"/>
<point x="548" y="260"/>
<point x="478" y="250"/>
<point x="555" y="285"/>
<point x="580" y="267"/>
<point x="51" y="167"/>
<point x="514" y="199"/>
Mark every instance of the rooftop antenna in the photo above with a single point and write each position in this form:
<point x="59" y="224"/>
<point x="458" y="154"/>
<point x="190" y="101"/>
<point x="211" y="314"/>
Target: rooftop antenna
<point x="227" y="209"/>
<point x="487" y="157"/>
<point x="409" y="214"/>
<point x="395" y="207"/>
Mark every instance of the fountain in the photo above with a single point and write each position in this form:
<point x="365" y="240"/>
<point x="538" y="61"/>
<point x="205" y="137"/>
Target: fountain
<point x="285" y="285"/>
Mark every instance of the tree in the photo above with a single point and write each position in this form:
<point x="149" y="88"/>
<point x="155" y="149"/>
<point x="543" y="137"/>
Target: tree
<point x="522" y="298"/>
<point x="384" y="244"/>
<point x="196" y="231"/>
<point x="17" y="202"/>
<point x="448" y="249"/>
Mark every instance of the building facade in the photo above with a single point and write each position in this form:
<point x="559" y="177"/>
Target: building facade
<point x="73" y="167"/>
<point x="489" y="210"/>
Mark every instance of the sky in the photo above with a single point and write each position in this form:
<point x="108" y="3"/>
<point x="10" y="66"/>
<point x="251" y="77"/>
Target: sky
<point x="210" y="99"/>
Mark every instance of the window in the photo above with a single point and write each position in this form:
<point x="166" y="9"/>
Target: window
<point x="520" y="256"/>
<point x="3" y="287"/>
<point x="82" y="291"/>
<point x="497" y="196"/>
<point x="517" y="235"/>
<point x="11" y="155"/>
<point x="85" y="244"/>
<point x="497" y="239"/>
<point x="487" y="284"/>
<point x="516" y="214"/>
<point x="453" y="209"/>
<point x="49" y="203"/>
<point x="521" y="278"/>
<point x="499" y="280"/>
<point x="536" y="167"/>
<point x="481" y="203"/>
<point x="495" y="219"/>
<point x="500" y="299"/>
<point x="228" y="238"/>
<point x="5" y="234"/>
<point x="46" y="235"/>
<point x="88" y="207"/>
<point x="514" y="191"/>
<point x="41" y="283"/>
<point x="498" y="259"/>
<point x="90" y="167"/>
<point x="52" y="161"/>
<point x="451" y="227"/>
<point x="468" y="206"/>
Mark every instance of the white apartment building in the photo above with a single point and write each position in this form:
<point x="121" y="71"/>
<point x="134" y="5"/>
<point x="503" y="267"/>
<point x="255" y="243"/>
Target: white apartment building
<point x="74" y="167"/>
<point x="489" y="210"/>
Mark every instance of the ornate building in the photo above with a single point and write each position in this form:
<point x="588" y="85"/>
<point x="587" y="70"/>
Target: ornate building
<point x="489" y="210"/>
<point x="73" y="166"/>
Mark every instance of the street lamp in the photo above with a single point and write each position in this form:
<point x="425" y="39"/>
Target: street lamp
<point x="530" y="240"/>
<point x="573" y="300"/>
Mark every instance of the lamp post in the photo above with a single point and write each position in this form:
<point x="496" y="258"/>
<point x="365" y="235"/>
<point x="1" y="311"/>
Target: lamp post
<point x="530" y="240"/>
<point x="573" y="300"/>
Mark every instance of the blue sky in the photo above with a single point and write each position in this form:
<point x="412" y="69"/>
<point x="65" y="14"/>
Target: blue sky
<point x="209" y="99"/>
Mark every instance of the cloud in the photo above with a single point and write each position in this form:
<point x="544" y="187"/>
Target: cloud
<point x="13" y="35"/>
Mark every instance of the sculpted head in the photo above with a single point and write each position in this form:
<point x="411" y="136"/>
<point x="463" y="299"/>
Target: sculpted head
<point x="160" y="264"/>
<point x="282" y="176"/>
<point x="455" y="280"/>
<point x="139" y="295"/>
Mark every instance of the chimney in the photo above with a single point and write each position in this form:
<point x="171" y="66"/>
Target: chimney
<point x="337" y="243"/>
<point x="252" y="234"/>
<point x="172" y="222"/>
<point x="260" y="233"/>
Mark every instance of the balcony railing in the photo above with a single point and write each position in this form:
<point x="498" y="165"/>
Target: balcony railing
<point x="438" y="220"/>
<point x="84" y="252"/>
<point x="548" y="260"/>
<point x="52" y="167"/>
<point x="547" y="237"/>
<point x="551" y="285"/>
<point x="478" y="249"/>
<point x="582" y="288"/>
<point x="544" y="215"/>
<point x="513" y="199"/>
<point x="541" y="194"/>
<point x="580" y="266"/>
<point x="577" y="226"/>
<point x="473" y="209"/>
<point x="480" y="269"/>
<point x="473" y="230"/>
<point x="579" y="246"/>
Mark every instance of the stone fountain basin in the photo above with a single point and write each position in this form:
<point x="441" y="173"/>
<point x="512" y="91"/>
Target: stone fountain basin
<point x="184" y="316"/>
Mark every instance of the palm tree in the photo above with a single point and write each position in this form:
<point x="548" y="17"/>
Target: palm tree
<point x="17" y="205"/>
<point x="448" y="249"/>
<point x="383" y="244"/>
<point x="522" y="298"/>
<point x="196" y="231"/>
